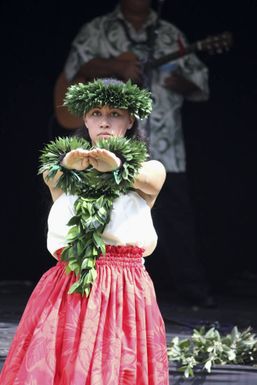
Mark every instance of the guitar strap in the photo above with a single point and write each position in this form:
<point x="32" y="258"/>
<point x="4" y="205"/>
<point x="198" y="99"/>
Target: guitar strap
<point x="148" y="44"/>
<point x="145" y="42"/>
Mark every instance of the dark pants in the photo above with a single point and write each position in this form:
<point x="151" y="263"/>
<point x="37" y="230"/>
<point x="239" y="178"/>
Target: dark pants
<point x="175" y="263"/>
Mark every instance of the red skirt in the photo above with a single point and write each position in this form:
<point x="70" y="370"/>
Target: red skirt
<point x="116" y="336"/>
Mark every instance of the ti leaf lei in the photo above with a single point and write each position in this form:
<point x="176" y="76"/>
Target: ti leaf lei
<point x="96" y="192"/>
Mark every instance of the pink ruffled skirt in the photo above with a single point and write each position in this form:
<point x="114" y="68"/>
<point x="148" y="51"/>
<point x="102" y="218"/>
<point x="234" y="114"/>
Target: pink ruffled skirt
<point x="116" y="336"/>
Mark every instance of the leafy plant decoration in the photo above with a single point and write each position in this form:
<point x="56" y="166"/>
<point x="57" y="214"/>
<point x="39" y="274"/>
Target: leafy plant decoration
<point x="206" y="348"/>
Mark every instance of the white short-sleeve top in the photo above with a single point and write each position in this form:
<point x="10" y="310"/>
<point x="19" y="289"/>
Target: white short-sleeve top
<point x="130" y="223"/>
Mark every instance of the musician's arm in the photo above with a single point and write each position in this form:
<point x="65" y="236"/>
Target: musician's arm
<point x="179" y="84"/>
<point x="190" y="79"/>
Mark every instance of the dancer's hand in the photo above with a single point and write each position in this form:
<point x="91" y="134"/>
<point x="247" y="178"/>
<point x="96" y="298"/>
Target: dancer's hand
<point x="103" y="160"/>
<point x="76" y="160"/>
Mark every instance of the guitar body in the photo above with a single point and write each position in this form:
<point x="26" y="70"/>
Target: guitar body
<point x="63" y="116"/>
<point x="127" y="56"/>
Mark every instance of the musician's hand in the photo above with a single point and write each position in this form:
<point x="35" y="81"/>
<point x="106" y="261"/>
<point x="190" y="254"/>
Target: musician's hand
<point x="104" y="160"/>
<point x="76" y="160"/>
<point x="130" y="69"/>
<point x="177" y="83"/>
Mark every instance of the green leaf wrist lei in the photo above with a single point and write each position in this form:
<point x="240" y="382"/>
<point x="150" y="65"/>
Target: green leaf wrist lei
<point x="96" y="193"/>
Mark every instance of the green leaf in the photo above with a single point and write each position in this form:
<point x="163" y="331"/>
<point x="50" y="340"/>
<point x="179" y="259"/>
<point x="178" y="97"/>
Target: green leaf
<point x="95" y="251"/>
<point x="73" y="233"/>
<point x="87" y="291"/>
<point x="208" y="366"/>
<point x="97" y="238"/>
<point x="65" y="254"/>
<point x="76" y="285"/>
<point x="188" y="372"/>
<point x="74" y="221"/>
<point x="74" y="265"/>
<point x="80" y="248"/>
<point x="88" y="263"/>
<point x="93" y="274"/>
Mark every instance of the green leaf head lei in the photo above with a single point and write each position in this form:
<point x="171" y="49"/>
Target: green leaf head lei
<point x="82" y="97"/>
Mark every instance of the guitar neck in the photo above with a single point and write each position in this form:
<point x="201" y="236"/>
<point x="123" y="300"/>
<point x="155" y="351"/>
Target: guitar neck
<point x="175" y="55"/>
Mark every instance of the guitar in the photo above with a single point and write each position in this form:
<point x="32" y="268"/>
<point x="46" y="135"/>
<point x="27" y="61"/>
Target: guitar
<point x="212" y="45"/>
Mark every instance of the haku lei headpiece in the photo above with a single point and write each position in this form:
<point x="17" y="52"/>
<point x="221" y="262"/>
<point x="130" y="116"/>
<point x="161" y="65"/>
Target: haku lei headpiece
<point x="82" y="97"/>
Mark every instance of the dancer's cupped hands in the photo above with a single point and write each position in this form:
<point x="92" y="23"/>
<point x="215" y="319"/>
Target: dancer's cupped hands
<point x="101" y="159"/>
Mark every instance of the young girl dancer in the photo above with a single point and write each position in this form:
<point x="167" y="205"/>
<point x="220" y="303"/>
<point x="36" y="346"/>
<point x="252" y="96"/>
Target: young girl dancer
<point x="93" y="318"/>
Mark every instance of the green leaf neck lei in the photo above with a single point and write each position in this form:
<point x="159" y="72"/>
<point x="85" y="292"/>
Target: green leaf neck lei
<point x="96" y="193"/>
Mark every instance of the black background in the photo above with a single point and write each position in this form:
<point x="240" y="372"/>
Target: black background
<point x="220" y="134"/>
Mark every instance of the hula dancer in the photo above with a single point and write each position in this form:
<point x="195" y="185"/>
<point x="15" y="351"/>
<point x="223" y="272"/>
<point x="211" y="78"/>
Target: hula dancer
<point x="93" y="317"/>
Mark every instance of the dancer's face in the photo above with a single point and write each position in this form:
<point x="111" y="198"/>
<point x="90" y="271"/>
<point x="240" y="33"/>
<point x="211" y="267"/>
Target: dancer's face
<point x="105" y="122"/>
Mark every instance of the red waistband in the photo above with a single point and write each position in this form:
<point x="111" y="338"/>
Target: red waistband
<point x="121" y="256"/>
<point x="117" y="254"/>
<point x="122" y="251"/>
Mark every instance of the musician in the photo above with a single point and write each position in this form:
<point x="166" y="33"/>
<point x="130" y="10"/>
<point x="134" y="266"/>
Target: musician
<point x="117" y="44"/>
